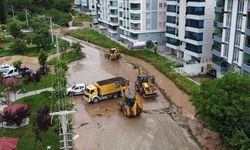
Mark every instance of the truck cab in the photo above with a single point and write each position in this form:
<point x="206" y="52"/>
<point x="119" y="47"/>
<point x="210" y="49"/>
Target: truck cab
<point x="91" y="94"/>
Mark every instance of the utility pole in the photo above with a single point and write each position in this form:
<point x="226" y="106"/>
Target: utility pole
<point x="27" y="22"/>
<point x="64" y="124"/>
<point x="13" y="13"/>
<point x="51" y="29"/>
<point x="57" y="47"/>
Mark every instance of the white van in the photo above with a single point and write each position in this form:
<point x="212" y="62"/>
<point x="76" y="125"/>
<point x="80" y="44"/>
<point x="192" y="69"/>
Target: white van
<point x="12" y="72"/>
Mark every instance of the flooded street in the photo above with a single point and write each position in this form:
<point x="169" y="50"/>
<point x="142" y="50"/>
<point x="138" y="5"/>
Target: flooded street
<point x="102" y="127"/>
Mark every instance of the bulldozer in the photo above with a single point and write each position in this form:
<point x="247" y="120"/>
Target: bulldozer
<point x="142" y="85"/>
<point x="114" y="54"/>
<point x="131" y="105"/>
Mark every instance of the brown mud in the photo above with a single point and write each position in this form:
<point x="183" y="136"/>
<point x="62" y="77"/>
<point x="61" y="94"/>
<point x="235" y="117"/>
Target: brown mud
<point x="102" y="126"/>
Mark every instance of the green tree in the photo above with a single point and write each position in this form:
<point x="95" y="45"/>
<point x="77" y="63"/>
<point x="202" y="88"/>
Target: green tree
<point x="223" y="104"/>
<point x="41" y="38"/>
<point x="77" y="47"/>
<point x="62" y="5"/>
<point x="19" y="45"/>
<point x="17" y="64"/>
<point x="14" y="27"/>
<point x="150" y="45"/>
<point x="64" y="45"/>
<point x="3" y="11"/>
<point x="59" y="17"/>
<point x="39" y="22"/>
<point x="42" y="58"/>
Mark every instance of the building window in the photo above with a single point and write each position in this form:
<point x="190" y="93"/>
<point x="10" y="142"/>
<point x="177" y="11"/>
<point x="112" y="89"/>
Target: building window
<point x="194" y="48"/>
<point x="229" y="5"/>
<point x="237" y="39"/>
<point x="196" y="10"/>
<point x="246" y="59"/>
<point x="160" y="4"/>
<point x="217" y="46"/>
<point x="194" y="36"/>
<point x="170" y="30"/>
<point x="225" y="53"/>
<point x="236" y="56"/>
<point x="171" y="19"/>
<point x="239" y="23"/>
<point x="173" y="41"/>
<point x="227" y="36"/>
<point x="228" y="22"/>
<point x="195" y="23"/>
<point x="241" y="6"/>
<point x="171" y="8"/>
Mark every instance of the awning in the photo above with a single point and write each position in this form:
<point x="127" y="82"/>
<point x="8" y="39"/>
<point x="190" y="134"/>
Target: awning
<point x="8" y="143"/>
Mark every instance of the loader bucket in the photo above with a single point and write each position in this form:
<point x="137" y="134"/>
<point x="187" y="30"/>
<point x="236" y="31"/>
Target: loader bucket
<point x="151" y="95"/>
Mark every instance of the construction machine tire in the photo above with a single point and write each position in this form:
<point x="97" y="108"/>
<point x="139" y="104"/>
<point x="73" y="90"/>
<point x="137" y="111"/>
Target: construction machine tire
<point x="96" y="100"/>
<point x="120" y="106"/>
<point x="125" y="110"/>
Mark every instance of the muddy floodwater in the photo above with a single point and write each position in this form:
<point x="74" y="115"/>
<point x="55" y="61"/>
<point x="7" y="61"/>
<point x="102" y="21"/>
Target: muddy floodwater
<point x="102" y="127"/>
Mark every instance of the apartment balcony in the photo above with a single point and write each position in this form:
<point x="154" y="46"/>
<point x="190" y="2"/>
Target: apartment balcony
<point x="217" y="38"/>
<point x="215" y="52"/>
<point x="112" y="31"/>
<point x="218" y="24"/>
<point x="173" y="46"/>
<point x="219" y="10"/>
<point x="220" y="3"/>
<point x="246" y="67"/>
<point x="135" y="21"/>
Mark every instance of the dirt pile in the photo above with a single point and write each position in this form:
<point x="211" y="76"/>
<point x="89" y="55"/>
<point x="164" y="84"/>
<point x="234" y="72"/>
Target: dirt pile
<point x="30" y="62"/>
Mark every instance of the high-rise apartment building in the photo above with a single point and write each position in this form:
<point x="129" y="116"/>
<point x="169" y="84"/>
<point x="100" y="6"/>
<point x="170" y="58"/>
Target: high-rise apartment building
<point x="87" y="6"/>
<point x="231" y="49"/>
<point x="133" y="21"/>
<point x="189" y="32"/>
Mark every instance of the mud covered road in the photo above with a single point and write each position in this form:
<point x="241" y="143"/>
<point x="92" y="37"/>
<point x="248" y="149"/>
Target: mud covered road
<point x="102" y="127"/>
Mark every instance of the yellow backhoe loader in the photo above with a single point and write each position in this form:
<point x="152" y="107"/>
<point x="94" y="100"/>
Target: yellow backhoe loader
<point x="143" y="85"/>
<point x="114" y="54"/>
<point x="131" y="105"/>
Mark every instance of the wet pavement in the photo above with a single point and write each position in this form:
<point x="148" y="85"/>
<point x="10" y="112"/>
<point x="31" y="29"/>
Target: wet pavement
<point x="102" y="127"/>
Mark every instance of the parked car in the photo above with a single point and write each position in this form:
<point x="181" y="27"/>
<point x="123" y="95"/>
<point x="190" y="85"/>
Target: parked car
<point x="5" y="68"/>
<point x="76" y="89"/>
<point x="12" y="72"/>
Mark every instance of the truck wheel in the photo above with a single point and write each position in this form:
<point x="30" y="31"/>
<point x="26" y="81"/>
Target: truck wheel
<point x="96" y="100"/>
<point x="120" y="94"/>
<point x="115" y="95"/>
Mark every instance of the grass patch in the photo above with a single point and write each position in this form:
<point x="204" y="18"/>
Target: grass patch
<point x="25" y="134"/>
<point x="68" y="57"/>
<point x="86" y="17"/>
<point x="163" y="64"/>
<point x="45" y="82"/>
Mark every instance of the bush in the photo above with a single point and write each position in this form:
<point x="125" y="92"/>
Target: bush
<point x="16" y="118"/>
<point x="43" y="119"/>
<point x="17" y="64"/>
<point x="223" y="105"/>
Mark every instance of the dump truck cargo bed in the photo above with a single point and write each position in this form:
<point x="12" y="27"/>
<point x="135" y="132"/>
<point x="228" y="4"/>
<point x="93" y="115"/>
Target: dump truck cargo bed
<point x="111" y="85"/>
